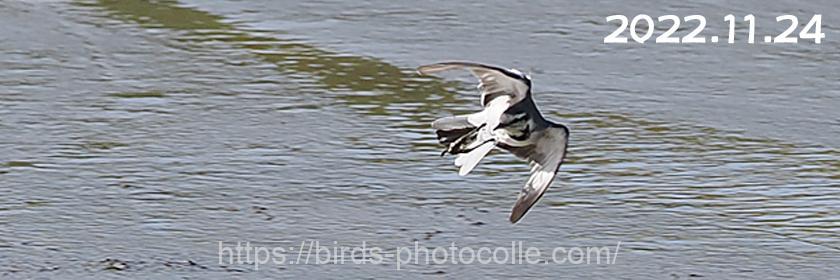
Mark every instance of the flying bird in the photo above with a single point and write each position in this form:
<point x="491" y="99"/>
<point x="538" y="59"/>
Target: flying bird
<point x="510" y="121"/>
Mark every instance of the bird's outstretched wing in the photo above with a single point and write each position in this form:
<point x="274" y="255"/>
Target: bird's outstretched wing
<point x="494" y="81"/>
<point x="546" y="156"/>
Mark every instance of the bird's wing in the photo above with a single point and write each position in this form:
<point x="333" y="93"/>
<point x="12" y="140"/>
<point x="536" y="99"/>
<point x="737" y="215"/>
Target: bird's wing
<point x="494" y="81"/>
<point x="546" y="156"/>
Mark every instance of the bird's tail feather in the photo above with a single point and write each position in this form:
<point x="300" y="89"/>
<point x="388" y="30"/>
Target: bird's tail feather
<point x="463" y="137"/>
<point x="450" y="129"/>
<point x="468" y="161"/>
<point x="457" y="132"/>
<point x="461" y="121"/>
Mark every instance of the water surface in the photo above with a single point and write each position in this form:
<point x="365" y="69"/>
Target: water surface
<point x="142" y="133"/>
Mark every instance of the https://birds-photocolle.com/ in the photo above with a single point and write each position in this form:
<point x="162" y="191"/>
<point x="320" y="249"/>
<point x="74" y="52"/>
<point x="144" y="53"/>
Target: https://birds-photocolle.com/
<point x="510" y="121"/>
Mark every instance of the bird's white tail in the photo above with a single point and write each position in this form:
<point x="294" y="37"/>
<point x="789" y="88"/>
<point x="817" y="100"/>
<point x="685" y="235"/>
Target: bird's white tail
<point x="468" y="161"/>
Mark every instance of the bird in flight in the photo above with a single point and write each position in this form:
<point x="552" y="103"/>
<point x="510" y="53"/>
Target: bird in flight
<point x="510" y="121"/>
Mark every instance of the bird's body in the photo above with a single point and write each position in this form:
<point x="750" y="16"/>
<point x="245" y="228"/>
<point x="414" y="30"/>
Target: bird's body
<point x="510" y="121"/>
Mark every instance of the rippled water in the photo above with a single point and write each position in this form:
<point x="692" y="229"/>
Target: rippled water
<point x="145" y="132"/>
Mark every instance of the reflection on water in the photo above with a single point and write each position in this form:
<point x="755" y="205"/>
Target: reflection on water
<point x="181" y="129"/>
<point x="364" y="83"/>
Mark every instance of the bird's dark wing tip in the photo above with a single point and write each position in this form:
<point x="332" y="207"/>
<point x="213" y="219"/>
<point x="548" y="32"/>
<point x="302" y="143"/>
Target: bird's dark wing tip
<point x="519" y="209"/>
<point x="514" y="219"/>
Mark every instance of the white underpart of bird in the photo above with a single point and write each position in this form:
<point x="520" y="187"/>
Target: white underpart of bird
<point x="486" y="137"/>
<point x="510" y="121"/>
